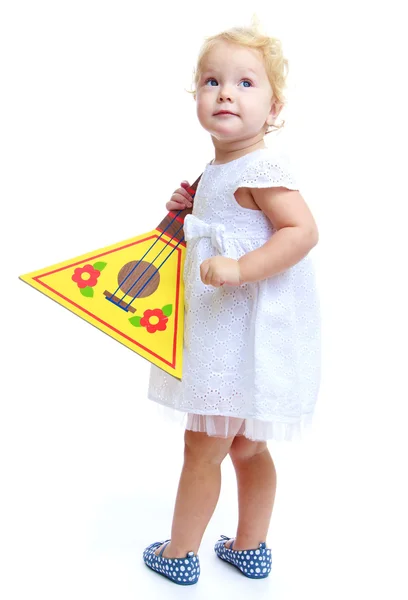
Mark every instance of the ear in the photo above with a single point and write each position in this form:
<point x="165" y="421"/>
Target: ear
<point x="276" y="108"/>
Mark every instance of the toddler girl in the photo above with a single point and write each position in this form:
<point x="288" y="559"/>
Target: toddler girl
<point x="251" y="359"/>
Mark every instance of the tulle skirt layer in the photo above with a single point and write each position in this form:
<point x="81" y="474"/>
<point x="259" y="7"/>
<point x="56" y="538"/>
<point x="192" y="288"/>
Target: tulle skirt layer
<point x="225" y="426"/>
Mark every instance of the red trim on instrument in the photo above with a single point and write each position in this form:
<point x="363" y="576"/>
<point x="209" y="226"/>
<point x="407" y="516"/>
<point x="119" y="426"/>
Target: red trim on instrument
<point x="183" y="243"/>
<point x="176" y="217"/>
<point x="173" y="363"/>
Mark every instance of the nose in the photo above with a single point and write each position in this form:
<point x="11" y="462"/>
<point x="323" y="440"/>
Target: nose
<point x="224" y="94"/>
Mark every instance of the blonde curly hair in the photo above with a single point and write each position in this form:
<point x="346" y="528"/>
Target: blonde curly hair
<point x="276" y="65"/>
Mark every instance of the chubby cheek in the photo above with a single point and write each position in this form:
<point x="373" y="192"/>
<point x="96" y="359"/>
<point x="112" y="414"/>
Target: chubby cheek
<point x="203" y="108"/>
<point x="256" y="114"/>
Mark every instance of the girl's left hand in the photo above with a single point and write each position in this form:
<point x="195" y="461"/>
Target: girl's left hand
<point x="220" y="270"/>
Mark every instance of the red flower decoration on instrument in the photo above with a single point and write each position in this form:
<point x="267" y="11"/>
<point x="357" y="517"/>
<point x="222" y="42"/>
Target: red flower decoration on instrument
<point x="149" y="320"/>
<point x="86" y="276"/>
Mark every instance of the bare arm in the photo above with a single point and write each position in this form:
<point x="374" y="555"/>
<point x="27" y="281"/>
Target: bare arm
<point x="296" y="234"/>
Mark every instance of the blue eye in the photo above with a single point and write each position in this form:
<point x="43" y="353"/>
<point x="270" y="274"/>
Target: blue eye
<point x="211" y="79"/>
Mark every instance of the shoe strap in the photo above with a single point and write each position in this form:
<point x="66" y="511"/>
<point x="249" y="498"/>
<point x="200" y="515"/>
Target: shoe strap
<point x="262" y="545"/>
<point x="225" y="537"/>
<point x="166" y="543"/>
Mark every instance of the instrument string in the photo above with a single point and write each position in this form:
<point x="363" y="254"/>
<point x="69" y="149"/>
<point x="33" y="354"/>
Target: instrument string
<point x="151" y="277"/>
<point x="145" y="254"/>
<point x="119" y="301"/>
<point x="149" y="266"/>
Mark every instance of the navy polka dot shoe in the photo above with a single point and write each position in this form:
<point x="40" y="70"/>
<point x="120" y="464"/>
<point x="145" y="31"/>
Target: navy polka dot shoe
<point x="256" y="563"/>
<point x="184" y="571"/>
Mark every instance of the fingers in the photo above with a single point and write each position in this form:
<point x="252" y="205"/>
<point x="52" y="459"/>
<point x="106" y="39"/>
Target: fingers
<point x="185" y="185"/>
<point x="177" y="204"/>
<point x="207" y="274"/>
<point x="204" y="268"/>
<point x="183" y="191"/>
<point x="211" y="274"/>
<point x="180" y="198"/>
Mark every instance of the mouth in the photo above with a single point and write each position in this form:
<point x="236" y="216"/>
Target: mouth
<point x="225" y="112"/>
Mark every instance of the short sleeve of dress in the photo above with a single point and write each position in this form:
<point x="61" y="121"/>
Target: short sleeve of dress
<point x="268" y="170"/>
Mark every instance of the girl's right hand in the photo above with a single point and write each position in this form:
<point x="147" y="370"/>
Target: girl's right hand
<point x="180" y="199"/>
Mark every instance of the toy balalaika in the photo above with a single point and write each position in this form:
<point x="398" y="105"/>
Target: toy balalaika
<point x="132" y="290"/>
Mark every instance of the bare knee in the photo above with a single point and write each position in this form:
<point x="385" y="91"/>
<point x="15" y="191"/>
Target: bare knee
<point x="199" y="446"/>
<point x="243" y="449"/>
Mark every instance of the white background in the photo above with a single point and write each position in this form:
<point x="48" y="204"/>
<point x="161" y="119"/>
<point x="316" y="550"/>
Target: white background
<point x="97" y="130"/>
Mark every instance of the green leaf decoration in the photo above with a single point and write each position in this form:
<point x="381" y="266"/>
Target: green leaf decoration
<point x="87" y="291"/>
<point x="167" y="310"/>
<point x="99" y="266"/>
<point x="135" y="321"/>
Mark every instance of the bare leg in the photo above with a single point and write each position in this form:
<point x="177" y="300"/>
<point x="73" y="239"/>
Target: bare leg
<point x="198" y="492"/>
<point x="256" y="480"/>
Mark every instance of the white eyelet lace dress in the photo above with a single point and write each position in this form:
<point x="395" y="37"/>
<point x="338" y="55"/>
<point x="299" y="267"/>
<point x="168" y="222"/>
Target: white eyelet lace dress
<point x="251" y="358"/>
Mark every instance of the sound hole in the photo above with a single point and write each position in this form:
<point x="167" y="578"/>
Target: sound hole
<point x="128" y="285"/>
